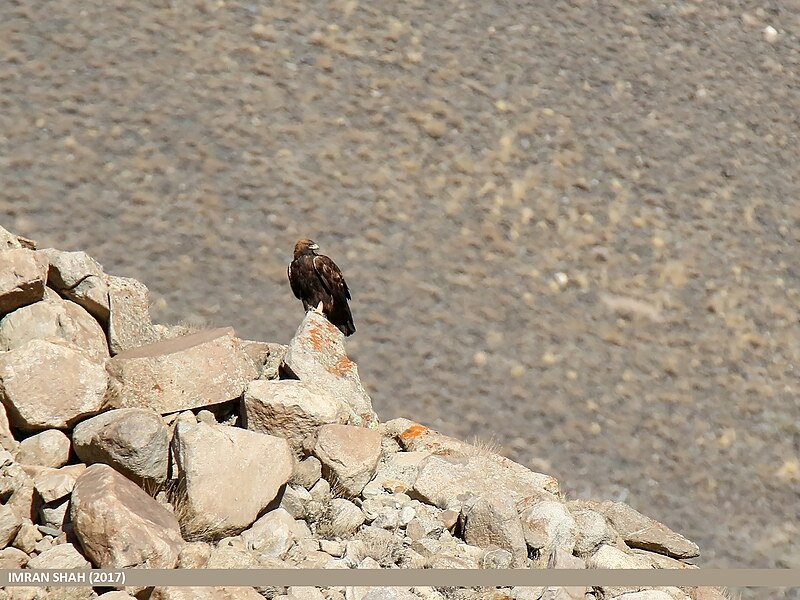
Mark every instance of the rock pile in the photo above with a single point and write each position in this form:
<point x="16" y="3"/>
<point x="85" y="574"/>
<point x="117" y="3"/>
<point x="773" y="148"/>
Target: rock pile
<point x="131" y="444"/>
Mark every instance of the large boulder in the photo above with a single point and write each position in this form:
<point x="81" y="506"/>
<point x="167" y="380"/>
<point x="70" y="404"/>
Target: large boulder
<point x="23" y="274"/>
<point x="177" y="374"/>
<point x="228" y="475"/>
<point x="50" y="385"/>
<point x="78" y="277"/>
<point x="444" y="480"/>
<point x="119" y="525"/>
<point x="291" y="409"/>
<point x="349" y="456"/>
<point x="54" y="318"/>
<point x="135" y="441"/>
<point x="317" y="354"/>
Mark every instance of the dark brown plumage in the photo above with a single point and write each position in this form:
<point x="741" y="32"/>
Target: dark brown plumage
<point x="315" y="279"/>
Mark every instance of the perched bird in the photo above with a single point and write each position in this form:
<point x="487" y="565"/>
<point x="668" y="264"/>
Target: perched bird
<point x="318" y="282"/>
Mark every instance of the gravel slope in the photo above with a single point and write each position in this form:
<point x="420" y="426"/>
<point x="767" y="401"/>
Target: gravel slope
<point x="497" y="181"/>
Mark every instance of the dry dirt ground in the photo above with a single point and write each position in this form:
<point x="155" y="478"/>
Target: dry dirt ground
<point x="569" y="227"/>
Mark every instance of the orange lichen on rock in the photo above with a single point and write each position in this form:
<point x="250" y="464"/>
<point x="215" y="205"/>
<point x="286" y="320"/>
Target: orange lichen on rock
<point x="414" y="431"/>
<point x="342" y="367"/>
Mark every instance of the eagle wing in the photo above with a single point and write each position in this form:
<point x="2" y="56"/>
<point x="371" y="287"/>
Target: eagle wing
<point x="294" y="282"/>
<point x="331" y="277"/>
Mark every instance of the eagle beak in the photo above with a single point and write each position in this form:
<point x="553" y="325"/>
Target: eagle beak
<point x="314" y="246"/>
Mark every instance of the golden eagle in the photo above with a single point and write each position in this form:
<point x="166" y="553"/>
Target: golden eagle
<point x="316" y="280"/>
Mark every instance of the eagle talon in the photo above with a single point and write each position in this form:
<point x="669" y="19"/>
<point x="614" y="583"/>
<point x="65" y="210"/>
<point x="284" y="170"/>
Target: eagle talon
<point x="318" y="308"/>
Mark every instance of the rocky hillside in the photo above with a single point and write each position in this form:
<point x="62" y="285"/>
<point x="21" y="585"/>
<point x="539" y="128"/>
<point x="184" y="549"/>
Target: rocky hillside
<point x="131" y="444"/>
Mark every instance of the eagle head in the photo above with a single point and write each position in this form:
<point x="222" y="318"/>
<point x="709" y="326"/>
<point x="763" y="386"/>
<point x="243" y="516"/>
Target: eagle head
<point x="305" y="246"/>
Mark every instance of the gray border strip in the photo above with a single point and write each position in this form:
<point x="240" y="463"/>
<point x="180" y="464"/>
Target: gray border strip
<point x="405" y="577"/>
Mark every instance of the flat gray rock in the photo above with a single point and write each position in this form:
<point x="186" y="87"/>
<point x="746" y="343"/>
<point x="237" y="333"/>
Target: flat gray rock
<point x="191" y="371"/>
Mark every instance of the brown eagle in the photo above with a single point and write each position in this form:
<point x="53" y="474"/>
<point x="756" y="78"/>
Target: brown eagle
<point x="316" y="280"/>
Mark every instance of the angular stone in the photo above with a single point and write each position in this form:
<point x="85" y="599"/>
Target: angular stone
<point x="135" y="441"/>
<point x="23" y="274"/>
<point x="316" y="353"/>
<point x="444" y="480"/>
<point x="399" y="468"/>
<point x="27" y="537"/>
<point x="192" y="371"/>
<point x="609" y="557"/>
<point x="229" y="475"/>
<point x="50" y="448"/>
<point x="119" y="525"/>
<point x="493" y="522"/>
<point x="272" y="535"/>
<point x="78" y="277"/>
<point x="10" y="522"/>
<point x="349" y="455"/>
<point x="640" y="531"/>
<point x="62" y="556"/>
<point x="661" y="561"/>
<point x="129" y="322"/>
<point x="54" y="319"/>
<point x="46" y="385"/>
<point x="290" y="409"/>
<point x="548" y="525"/>
<point x="205" y="593"/>
<point x="54" y="484"/>
<point x="55" y="514"/>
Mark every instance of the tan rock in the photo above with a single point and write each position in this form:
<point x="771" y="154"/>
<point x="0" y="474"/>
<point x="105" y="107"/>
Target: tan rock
<point x="54" y="484"/>
<point x="62" y="556"/>
<point x="78" y="277"/>
<point x="349" y="456"/>
<point x="129" y="323"/>
<point x="316" y="353"/>
<point x="272" y="535"/>
<point x="341" y="519"/>
<point x="196" y="370"/>
<point x="609" y="557"/>
<point x="194" y="555"/>
<point x="548" y="525"/>
<point x="48" y="385"/>
<point x="8" y="241"/>
<point x="50" y="448"/>
<point x="493" y="522"/>
<point x="135" y="441"/>
<point x="443" y="480"/>
<point x="229" y="476"/>
<point x="13" y="558"/>
<point x="23" y="274"/>
<point x="10" y="522"/>
<point x="640" y="531"/>
<point x="119" y="525"/>
<point x="54" y="319"/>
<point x="290" y="409"/>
